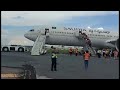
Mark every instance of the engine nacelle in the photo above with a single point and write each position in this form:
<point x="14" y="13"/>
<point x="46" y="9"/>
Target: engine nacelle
<point x="117" y="44"/>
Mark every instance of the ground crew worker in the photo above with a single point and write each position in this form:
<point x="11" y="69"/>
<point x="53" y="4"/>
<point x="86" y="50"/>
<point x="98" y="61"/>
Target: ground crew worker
<point x="53" y="58"/>
<point x="86" y="59"/>
<point x="70" y="51"/>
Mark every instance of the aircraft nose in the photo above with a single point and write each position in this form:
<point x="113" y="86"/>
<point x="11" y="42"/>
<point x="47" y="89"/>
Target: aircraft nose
<point x="26" y="35"/>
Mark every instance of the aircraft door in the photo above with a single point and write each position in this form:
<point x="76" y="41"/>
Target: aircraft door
<point x="47" y="31"/>
<point x="44" y="31"/>
<point x="76" y="33"/>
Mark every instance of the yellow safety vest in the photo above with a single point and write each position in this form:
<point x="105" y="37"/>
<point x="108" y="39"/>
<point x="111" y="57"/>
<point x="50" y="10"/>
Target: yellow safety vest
<point x="54" y="56"/>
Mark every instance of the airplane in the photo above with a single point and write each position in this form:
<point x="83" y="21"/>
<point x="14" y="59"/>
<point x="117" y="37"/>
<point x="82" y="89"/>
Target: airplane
<point x="71" y="37"/>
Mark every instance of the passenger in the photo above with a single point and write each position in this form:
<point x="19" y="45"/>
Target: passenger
<point x="56" y="51"/>
<point x="86" y="40"/>
<point x="76" y="51"/>
<point x="53" y="50"/>
<point x="70" y="51"/>
<point x="54" y="59"/>
<point x="89" y="42"/>
<point x="84" y="35"/>
<point x="80" y="32"/>
<point x="86" y="59"/>
<point x="115" y="54"/>
<point x="45" y="32"/>
<point x="103" y="52"/>
<point x="82" y="52"/>
<point x="110" y="53"/>
<point x="99" y="53"/>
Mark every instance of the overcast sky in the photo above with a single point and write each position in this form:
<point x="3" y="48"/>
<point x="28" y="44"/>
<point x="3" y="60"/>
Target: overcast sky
<point x="15" y="23"/>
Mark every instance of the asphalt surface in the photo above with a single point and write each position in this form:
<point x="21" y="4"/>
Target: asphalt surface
<point x="69" y="67"/>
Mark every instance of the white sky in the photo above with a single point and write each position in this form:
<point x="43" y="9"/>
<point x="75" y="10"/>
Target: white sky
<point x="45" y="17"/>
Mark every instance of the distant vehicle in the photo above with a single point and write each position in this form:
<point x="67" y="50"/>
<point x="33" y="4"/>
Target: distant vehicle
<point x="18" y="48"/>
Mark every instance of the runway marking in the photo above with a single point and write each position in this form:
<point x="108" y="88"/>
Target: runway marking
<point x="8" y="75"/>
<point x="42" y="77"/>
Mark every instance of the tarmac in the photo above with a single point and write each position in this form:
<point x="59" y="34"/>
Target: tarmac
<point x="68" y="67"/>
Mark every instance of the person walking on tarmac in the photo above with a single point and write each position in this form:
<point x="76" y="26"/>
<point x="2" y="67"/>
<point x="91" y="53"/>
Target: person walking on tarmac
<point x="115" y="54"/>
<point x="70" y="51"/>
<point x="86" y="59"/>
<point x="99" y="53"/>
<point x="76" y="51"/>
<point x="54" y="59"/>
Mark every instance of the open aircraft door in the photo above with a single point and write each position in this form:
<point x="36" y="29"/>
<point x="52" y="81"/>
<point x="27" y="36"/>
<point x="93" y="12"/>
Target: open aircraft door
<point x="45" y="31"/>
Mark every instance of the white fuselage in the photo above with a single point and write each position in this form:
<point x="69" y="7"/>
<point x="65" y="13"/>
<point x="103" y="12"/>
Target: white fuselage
<point x="67" y="36"/>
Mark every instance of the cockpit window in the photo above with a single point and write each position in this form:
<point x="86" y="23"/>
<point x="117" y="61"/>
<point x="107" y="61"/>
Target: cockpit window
<point x="53" y="27"/>
<point x="32" y="30"/>
<point x="46" y="29"/>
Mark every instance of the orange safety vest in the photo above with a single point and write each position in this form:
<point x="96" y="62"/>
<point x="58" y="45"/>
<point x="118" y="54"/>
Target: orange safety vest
<point x="87" y="56"/>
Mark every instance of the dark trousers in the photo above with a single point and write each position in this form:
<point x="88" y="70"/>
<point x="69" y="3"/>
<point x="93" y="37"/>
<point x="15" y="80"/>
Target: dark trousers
<point x="53" y="65"/>
<point x="103" y="54"/>
<point x="86" y="64"/>
<point x="76" y="54"/>
<point x="70" y="53"/>
<point x="90" y="44"/>
<point x="99" y="55"/>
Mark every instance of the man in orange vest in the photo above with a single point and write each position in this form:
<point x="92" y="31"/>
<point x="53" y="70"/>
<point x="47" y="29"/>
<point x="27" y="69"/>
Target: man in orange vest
<point x="86" y="59"/>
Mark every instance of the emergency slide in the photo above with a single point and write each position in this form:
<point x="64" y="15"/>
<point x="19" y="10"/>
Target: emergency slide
<point x="38" y="45"/>
<point x="90" y="49"/>
<point x="87" y="42"/>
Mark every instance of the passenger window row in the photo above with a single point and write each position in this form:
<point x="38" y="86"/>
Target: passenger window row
<point x="62" y="32"/>
<point x="99" y="35"/>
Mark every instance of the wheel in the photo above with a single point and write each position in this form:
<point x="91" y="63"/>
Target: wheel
<point x="5" y="49"/>
<point x="20" y="50"/>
